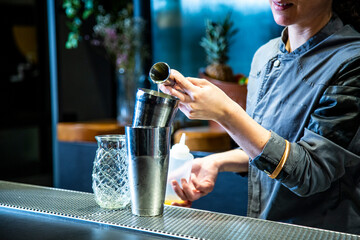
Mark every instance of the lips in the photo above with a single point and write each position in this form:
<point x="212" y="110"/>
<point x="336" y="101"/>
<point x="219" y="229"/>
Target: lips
<point x="281" y="6"/>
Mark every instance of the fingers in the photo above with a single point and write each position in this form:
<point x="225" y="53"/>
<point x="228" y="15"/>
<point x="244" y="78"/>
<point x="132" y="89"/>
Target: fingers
<point x="188" y="192"/>
<point x="186" y="203"/>
<point x="184" y="108"/>
<point x="203" y="186"/>
<point x="185" y="84"/>
<point x="197" y="81"/>
<point x="176" y="75"/>
<point x="176" y="92"/>
<point x="178" y="190"/>
<point x="184" y="87"/>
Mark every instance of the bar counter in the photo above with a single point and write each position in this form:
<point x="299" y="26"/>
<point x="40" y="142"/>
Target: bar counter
<point x="35" y="212"/>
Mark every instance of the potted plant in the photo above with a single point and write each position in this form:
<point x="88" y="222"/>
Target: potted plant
<point x="216" y="43"/>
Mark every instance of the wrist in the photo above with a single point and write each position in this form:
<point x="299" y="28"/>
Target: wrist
<point x="214" y="161"/>
<point x="230" y="108"/>
<point x="218" y="164"/>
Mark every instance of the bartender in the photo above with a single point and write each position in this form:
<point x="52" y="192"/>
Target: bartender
<point x="299" y="138"/>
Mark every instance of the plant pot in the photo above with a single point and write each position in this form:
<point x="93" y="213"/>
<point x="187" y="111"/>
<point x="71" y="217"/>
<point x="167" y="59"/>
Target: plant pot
<point x="234" y="90"/>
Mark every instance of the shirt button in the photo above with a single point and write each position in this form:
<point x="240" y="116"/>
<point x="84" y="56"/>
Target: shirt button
<point x="277" y="63"/>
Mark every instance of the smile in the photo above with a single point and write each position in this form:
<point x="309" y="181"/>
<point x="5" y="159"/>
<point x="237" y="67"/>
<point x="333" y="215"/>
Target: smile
<point x="281" y="6"/>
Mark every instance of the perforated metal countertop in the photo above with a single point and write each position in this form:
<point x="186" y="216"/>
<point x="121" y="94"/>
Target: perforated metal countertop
<point x="176" y="222"/>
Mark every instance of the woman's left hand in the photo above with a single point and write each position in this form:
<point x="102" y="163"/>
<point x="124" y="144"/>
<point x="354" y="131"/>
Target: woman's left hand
<point x="199" y="99"/>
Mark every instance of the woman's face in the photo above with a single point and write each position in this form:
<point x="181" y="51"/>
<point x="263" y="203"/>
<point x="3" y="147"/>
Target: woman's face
<point x="300" y="12"/>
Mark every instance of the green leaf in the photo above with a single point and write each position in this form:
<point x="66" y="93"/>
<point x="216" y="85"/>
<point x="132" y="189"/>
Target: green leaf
<point x="70" y="12"/>
<point x="77" y="22"/>
<point x="72" y="41"/>
<point x="87" y="13"/>
<point x="89" y="4"/>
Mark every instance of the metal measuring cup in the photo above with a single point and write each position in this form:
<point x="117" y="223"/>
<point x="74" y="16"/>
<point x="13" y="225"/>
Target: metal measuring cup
<point x="160" y="72"/>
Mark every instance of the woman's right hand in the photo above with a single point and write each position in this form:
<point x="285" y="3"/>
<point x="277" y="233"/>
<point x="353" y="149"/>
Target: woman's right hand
<point x="202" y="181"/>
<point x="196" y="95"/>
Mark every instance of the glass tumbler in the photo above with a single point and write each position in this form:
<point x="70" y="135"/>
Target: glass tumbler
<point x="110" y="172"/>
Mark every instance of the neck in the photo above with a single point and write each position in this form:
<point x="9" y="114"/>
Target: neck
<point x="298" y="34"/>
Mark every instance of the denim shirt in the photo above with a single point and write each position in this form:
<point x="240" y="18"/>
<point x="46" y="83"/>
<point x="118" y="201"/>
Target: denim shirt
<point x="310" y="97"/>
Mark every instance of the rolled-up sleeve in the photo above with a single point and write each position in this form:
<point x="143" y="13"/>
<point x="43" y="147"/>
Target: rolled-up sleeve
<point x="329" y="144"/>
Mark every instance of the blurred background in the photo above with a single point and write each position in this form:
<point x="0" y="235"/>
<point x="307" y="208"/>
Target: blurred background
<point x="43" y="82"/>
<point x="178" y="27"/>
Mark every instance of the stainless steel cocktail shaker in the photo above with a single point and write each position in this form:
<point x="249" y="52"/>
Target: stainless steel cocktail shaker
<point x="148" y="152"/>
<point x="148" y="146"/>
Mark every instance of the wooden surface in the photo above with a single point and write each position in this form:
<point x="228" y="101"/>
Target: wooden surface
<point x="86" y="131"/>
<point x="204" y="139"/>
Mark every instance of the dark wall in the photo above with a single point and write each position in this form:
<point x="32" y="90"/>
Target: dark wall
<point x="86" y="78"/>
<point x="25" y="123"/>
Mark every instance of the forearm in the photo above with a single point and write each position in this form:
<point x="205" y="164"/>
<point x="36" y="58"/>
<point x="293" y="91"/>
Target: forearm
<point x="245" y="131"/>
<point x="231" y="161"/>
<point x="314" y="162"/>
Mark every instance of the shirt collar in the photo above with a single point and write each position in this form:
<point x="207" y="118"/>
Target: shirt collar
<point x="331" y="27"/>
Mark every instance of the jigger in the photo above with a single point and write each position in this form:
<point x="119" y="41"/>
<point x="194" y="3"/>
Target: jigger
<point x="160" y="73"/>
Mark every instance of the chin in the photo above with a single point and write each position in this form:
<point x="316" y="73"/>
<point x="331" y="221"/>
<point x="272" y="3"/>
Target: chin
<point x="282" y="21"/>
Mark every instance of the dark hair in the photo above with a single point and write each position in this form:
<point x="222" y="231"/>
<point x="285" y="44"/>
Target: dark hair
<point x="348" y="11"/>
